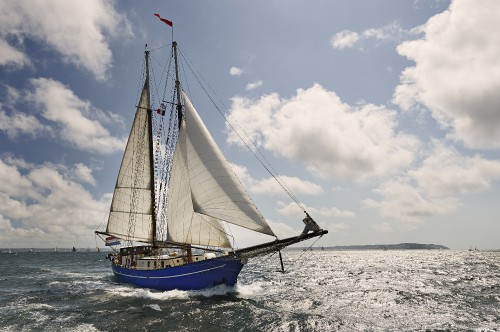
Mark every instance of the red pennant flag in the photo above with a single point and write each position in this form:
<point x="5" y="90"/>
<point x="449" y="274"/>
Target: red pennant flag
<point x="164" y="20"/>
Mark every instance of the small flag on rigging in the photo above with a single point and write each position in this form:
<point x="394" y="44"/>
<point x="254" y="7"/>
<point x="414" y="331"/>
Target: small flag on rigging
<point x="164" y="20"/>
<point x="112" y="241"/>
<point x="162" y="109"/>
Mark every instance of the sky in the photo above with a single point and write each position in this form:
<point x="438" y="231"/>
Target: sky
<point x="382" y="117"/>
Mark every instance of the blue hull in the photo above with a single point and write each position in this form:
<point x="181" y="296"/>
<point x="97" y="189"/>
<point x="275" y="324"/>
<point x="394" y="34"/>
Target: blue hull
<point x="197" y="275"/>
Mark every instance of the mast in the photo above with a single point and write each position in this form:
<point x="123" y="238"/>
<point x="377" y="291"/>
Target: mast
<point x="179" y="116"/>
<point x="150" y="146"/>
<point x="177" y="84"/>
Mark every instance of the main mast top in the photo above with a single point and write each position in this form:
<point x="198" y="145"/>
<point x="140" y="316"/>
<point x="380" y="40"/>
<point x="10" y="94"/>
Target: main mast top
<point x="177" y="83"/>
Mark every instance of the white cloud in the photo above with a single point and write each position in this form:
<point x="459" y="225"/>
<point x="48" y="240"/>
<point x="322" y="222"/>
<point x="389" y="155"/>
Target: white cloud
<point x="271" y="187"/>
<point x="335" y="227"/>
<point x="19" y="123"/>
<point x="76" y="119"/>
<point x="344" y="39"/>
<point x="457" y="72"/>
<point x="235" y="71"/>
<point x="390" y="32"/>
<point x="10" y="56"/>
<point x="293" y="210"/>
<point x="83" y="173"/>
<point x="383" y="227"/>
<point x="435" y="186"/>
<point x="330" y="138"/>
<point x="409" y="204"/>
<point x="446" y="172"/>
<point x="13" y="183"/>
<point x="15" y="123"/>
<point x="43" y="205"/>
<point x="11" y="160"/>
<point x="254" y="85"/>
<point x="283" y="230"/>
<point x="294" y="184"/>
<point x="77" y="30"/>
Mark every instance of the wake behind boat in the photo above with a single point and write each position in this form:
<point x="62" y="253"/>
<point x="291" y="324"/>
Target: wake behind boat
<point x="173" y="200"/>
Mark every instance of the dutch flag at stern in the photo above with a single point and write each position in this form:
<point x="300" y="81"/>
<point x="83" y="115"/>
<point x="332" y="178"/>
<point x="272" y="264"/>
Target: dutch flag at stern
<point x="112" y="241"/>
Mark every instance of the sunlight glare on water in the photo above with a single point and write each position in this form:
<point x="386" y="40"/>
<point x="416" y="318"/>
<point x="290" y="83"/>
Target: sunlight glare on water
<point x="320" y="291"/>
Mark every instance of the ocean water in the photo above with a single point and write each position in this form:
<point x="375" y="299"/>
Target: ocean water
<point x="420" y="290"/>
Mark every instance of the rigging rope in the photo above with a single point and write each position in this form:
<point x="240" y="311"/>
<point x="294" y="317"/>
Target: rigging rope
<point x="162" y="148"/>
<point x="262" y="159"/>
<point x="163" y="167"/>
<point x="305" y="250"/>
<point x="163" y="158"/>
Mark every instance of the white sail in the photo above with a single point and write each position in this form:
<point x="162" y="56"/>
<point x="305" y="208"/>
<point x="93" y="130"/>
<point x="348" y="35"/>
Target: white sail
<point x="203" y="187"/>
<point x="184" y="224"/>
<point x="131" y="213"/>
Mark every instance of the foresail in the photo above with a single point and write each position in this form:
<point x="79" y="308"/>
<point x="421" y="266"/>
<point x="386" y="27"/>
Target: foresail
<point x="184" y="225"/>
<point x="131" y="214"/>
<point x="215" y="190"/>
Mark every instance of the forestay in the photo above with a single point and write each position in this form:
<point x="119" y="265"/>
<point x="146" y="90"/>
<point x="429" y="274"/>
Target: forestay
<point x="204" y="189"/>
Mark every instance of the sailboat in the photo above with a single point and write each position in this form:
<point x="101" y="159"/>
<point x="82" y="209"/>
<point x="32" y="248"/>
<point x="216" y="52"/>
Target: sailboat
<point x="168" y="217"/>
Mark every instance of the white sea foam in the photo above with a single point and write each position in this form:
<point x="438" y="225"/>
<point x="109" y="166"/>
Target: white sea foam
<point x="154" y="307"/>
<point x="39" y="306"/>
<point x="89" y="284"/>
<point x="213" y="291"/>
<point x="82" y="328"/>
<point x="127" y="291"/>
<point x="254" y="289"/>
<point x="38" y="316"/>
<point x="148" y="294"/>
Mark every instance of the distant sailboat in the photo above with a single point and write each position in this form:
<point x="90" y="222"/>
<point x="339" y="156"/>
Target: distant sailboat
<point x="176" y="208"/>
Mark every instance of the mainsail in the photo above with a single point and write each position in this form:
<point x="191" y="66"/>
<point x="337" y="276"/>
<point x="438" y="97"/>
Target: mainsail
<point x="131" y="214"/>
<point x="204" y="190"/>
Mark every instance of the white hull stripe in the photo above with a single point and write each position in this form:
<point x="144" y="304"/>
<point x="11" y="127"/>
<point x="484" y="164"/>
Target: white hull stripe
<point x="168" y="277"/>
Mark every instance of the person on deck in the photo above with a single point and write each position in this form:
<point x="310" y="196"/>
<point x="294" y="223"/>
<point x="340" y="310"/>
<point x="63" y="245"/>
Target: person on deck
<point x="311" y="225"/>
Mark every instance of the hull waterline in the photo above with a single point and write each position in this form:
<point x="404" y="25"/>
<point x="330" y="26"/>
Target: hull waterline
<point x="192" y="276"/>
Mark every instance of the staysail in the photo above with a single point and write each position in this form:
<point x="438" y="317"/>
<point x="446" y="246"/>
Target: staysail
<point x="131" y="214"/>
<point x="204" y="190"/>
